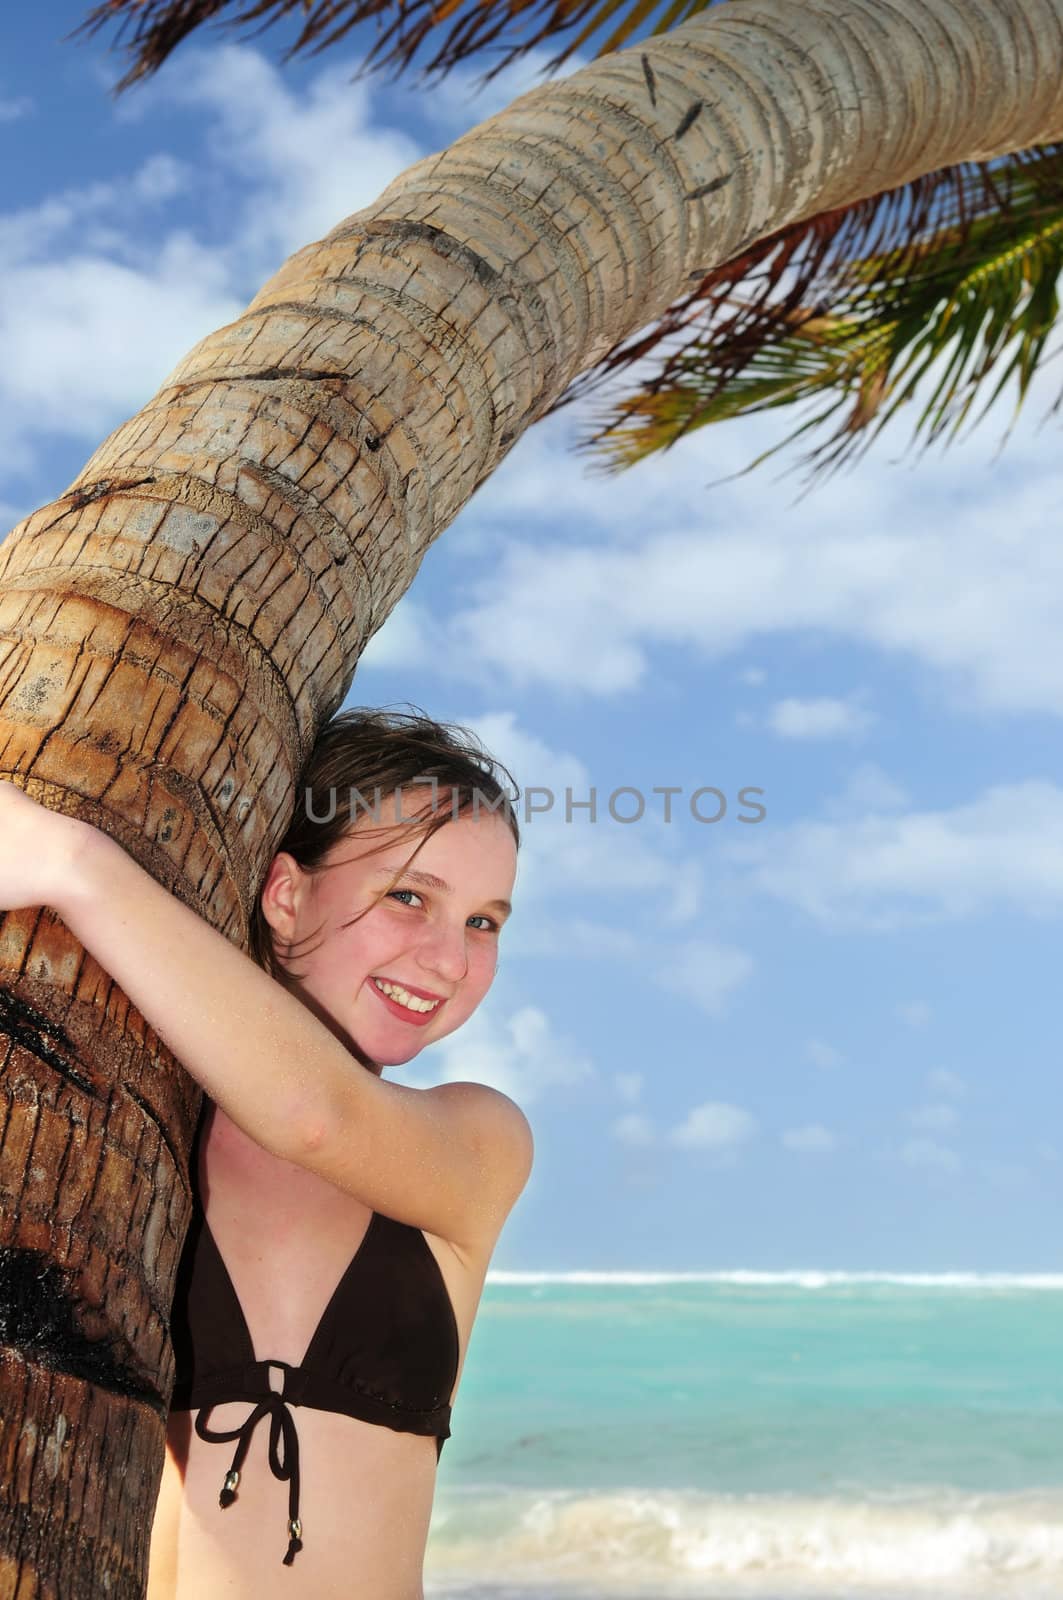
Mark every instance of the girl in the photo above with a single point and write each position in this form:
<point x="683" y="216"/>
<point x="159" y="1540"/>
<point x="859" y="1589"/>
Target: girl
<point x="305" y="1430"/>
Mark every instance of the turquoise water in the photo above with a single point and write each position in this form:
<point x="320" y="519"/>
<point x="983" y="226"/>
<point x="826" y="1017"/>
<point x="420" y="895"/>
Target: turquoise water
<point x="768" y="1436"/>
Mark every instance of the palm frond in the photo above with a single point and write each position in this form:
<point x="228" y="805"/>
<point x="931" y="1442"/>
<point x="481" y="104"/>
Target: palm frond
<point x="148" y="31"/>
<point x="958" y="271"/>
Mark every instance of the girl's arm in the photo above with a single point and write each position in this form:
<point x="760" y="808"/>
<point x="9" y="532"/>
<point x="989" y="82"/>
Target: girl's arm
<point x="450" y="1159"/>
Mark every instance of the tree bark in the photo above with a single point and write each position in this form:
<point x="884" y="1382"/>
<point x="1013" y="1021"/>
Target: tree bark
<point x="177" y="626"/>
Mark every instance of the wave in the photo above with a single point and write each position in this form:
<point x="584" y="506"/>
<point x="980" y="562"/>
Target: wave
<point x="796" y="1278"/>
<point x="661" y="1542"/>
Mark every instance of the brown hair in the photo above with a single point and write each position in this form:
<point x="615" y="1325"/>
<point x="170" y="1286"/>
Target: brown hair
<point x="361" y="754"/>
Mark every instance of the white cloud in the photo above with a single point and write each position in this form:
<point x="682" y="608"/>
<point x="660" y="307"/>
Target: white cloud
<point x="1002" y="849"/>
<point x="409" y="637"/>
<point x="628" y="1086"/>
<point x="868" y="788"/>
<point x="715" y="1125"/>
<point x="520" y="1054"/>
<point x="684" y="896"/>
<point x="707" y="973"/>
<point x="753" y="677"/>
<point x="462" y="99"/>
<point x="822" y="1054"/>
<point x="823" y="718"/>
<point x="662" y="560"/>
<point x="92" y="318"/>
<point x="916" y="1013"/>
<point x="89" y="219"/>
<point x="507" y="630"/>
<point x="86" y="339"/>
<point x="13" y="109"/>
<point x="101" y="293"/>
<point x="936" y="1118"/>
<point x="304" y="159"/>
<point x="945" y="1083"/>
<point x="1006" y="1175"/>
<point x="633" y="1129"/>
<point x="929" y="1156"/>
<point x="814" y="1139"/>
<point x="533" y="932"/>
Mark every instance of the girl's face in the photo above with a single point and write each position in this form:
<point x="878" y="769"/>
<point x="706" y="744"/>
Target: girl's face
<point x="434" y="943"/>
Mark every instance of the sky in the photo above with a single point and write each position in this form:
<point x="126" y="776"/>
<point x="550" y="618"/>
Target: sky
<point x="803" y="1022"/>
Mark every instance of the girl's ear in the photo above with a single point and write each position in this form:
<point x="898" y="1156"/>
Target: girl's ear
<point x="280" y="893"/>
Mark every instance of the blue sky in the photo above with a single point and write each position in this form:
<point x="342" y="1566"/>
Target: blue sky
<point x="825" y="1039"/>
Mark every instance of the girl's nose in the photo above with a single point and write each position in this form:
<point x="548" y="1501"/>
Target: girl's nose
<point x="443" y="951"/>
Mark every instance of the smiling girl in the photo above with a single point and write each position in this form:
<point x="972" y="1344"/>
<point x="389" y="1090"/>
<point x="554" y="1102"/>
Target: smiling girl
<point x="345" y="1223"/>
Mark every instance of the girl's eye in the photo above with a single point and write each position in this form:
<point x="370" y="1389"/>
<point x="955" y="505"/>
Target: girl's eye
<point x="492" y="925"/>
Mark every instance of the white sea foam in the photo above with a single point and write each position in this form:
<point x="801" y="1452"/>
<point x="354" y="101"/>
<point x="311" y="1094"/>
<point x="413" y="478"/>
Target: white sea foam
<point x="796" y="1278"/>
<point x="668" y="1542"/>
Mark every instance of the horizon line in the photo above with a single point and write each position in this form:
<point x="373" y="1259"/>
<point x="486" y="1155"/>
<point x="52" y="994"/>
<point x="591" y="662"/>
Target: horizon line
<point x="798" y="1277"/>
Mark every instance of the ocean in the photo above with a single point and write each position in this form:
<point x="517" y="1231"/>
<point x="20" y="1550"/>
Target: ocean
<point x="766" y="1436"/>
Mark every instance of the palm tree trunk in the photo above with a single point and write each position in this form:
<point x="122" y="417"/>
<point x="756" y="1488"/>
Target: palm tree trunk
<point x="176" y="627"/>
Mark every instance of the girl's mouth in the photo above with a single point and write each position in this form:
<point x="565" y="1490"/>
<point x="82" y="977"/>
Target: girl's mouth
<point x="417" y="1011"/>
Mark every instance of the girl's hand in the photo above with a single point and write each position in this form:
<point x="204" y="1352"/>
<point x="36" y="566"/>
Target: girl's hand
<point x="39" y="851"/>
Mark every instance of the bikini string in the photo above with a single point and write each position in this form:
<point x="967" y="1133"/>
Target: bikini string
<point x="281" y="1430"/>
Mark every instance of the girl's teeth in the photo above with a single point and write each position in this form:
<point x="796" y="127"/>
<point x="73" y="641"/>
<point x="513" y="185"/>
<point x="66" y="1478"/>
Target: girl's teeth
<point x="411" y="1001"/>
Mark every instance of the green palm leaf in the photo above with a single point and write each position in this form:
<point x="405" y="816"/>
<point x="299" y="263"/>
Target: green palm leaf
<point x="964" y="292"/>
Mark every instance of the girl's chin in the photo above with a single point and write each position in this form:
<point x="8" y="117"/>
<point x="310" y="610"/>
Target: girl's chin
<point x="387" y="1053"/>
<point x="391" y="1058"/>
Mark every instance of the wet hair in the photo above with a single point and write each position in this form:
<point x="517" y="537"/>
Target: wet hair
<point x="365" y="754"/>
